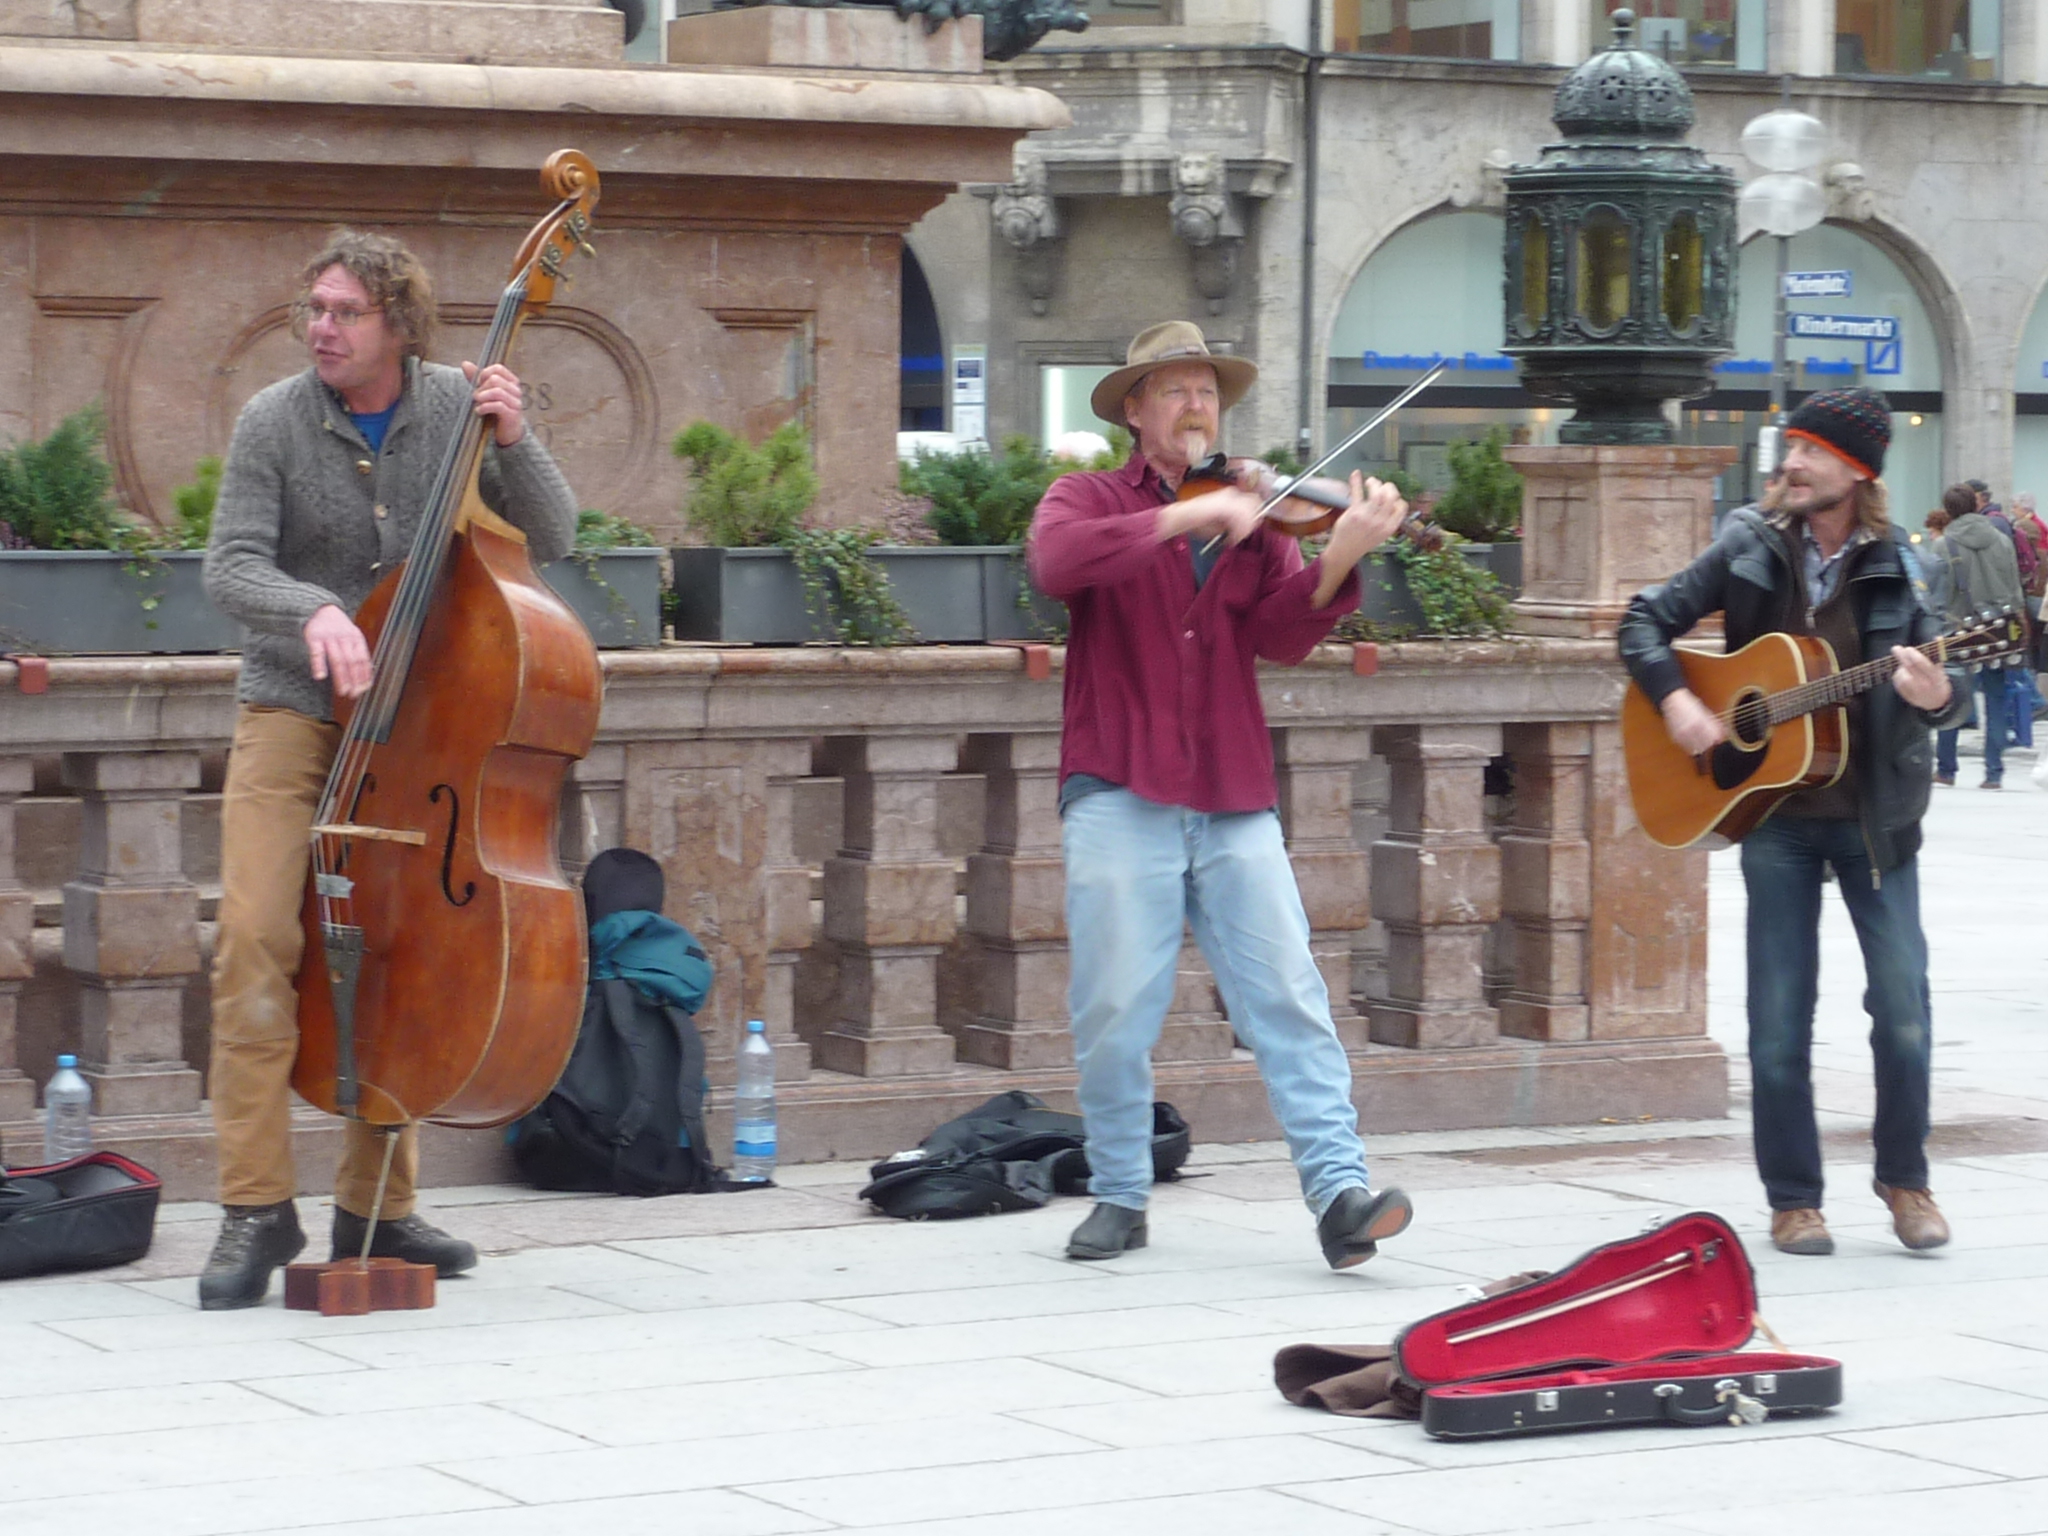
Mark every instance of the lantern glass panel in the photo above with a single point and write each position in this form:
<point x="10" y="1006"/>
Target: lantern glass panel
<point x="1683" y="277"/>
<point x="1532" y="308"/>
<point x="1605" y="255"/>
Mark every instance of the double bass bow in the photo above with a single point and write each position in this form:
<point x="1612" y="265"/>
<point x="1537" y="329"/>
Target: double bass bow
<point x="444" y="966"/>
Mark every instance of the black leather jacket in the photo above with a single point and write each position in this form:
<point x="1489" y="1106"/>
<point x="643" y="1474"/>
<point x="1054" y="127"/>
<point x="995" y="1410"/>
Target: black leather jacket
<point x="1748" y="577"/>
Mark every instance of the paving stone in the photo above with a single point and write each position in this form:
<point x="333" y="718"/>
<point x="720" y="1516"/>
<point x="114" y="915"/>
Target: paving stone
<point x="662" y="1514"/>
<point x="1212" y="1514"/>
<point x="301" y="1446"/>
<point x="548" y="1377"/>
<point x="1085" y="1479"/>
<point x="768" y="1404"/>
<point x="227" y="1360"/>
<point x="2009" y="1447"/>
<point x="1987" y="1509"/>
<point x="230" y="1506"/>
<point x="696" y="1456"/>
<point x="1628" y="1485"/>
<point x="132" y="1410"/>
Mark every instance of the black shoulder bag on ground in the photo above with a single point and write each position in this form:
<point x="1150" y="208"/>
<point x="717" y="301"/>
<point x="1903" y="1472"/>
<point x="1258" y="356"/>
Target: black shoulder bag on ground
<point x="1009" y="1154"/>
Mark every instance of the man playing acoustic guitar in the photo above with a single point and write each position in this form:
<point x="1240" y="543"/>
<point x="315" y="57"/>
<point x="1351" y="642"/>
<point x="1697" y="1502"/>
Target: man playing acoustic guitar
<point x="1822" y="561"/>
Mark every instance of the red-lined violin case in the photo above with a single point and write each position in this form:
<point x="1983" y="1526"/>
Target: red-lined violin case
<point x="1646" y="1330"/>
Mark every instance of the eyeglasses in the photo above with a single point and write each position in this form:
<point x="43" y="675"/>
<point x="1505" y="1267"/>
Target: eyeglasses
<point x="307" y="312"/>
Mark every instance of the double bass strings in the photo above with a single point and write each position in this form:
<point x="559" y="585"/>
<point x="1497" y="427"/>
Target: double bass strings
<point x="371" y="721"/>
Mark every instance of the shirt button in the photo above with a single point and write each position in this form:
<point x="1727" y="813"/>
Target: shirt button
<point x="364" y="466"/>
<point x="1189" y="635"/>
<point x="382" y="510"/>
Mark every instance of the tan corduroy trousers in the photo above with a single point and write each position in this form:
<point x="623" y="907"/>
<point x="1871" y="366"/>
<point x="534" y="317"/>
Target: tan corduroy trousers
<point x="275" y="775"/>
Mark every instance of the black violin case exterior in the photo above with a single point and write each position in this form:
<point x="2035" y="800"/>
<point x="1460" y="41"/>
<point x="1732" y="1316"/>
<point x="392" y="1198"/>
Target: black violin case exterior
<point x="89" y="1213"/>
<point x="1646" y="1330"/>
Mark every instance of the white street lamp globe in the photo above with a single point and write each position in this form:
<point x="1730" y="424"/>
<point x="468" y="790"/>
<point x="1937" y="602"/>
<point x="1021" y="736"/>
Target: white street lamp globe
<point x="1782" y="204"/>
<point x="1785" y="140"/>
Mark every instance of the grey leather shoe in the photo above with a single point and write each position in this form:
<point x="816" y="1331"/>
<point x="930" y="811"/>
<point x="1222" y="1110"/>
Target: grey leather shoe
<point x="1352" y="1229"/>
<point x="405" y="1237"/>
<point x="254" y="1242"/>
<point x="1108" y="1231"/>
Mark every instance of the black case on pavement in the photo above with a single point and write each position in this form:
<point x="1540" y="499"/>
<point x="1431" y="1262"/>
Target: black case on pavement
<point x="90" y="1213"/>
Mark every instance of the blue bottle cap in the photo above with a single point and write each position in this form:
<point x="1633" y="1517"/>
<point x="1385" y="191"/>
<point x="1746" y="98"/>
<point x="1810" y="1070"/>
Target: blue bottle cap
<point x="756" y="1027"/>
<point x="67" y="1061"/>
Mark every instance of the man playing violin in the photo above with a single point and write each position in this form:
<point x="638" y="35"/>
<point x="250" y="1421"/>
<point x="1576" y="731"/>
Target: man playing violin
<point x="1819" y="558"/>
<point x="1167" y="790"/>
<point x="323" y="487"/>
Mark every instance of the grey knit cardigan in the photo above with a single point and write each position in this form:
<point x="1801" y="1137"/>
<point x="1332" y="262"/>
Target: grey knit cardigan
<point x="309" y="516"/>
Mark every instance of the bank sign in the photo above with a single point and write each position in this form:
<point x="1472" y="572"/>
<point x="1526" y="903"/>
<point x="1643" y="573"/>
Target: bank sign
<point x="1422" y="362"/>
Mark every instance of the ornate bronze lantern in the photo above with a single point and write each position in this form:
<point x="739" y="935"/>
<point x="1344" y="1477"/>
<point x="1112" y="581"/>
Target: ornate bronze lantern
<point x="1620" y="251"/>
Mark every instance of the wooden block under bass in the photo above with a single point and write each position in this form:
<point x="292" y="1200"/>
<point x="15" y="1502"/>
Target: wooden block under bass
<point x="354" y="1287"/>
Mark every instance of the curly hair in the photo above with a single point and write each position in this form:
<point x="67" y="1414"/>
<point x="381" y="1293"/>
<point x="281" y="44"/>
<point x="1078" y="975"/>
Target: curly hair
<point x="391" y="274"/>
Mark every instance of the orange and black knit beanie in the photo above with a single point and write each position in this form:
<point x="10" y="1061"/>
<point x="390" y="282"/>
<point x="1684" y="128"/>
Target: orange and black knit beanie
<point x="1854" y="424"/>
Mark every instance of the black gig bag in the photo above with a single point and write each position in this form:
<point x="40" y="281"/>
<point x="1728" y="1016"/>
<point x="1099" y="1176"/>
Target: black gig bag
<point x="93" y="1212"/>
<point x="1646" y="1330"/>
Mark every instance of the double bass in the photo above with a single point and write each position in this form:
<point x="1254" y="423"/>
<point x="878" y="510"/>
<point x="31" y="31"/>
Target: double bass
<point x="445" y="952"/>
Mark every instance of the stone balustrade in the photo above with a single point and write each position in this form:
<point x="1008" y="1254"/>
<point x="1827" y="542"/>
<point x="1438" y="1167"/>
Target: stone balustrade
<point x="867" y="842"/>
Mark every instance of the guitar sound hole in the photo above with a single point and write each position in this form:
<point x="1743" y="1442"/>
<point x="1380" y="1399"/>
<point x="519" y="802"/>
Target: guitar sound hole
<point x="1750" y="723"/>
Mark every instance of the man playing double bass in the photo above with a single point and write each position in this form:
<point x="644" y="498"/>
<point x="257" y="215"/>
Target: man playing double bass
<point x="1168" y="801"/>
<point x="324" y="484"/>
<point x="1822" y="561"/>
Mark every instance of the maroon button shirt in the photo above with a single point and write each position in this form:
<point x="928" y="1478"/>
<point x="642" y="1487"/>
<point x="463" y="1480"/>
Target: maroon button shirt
<point x="1162" y="694"/>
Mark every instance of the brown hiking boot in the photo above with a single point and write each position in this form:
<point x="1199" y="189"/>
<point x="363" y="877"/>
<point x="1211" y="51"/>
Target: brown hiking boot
<point x="1800" y="1231"/>
<point x="1915" y="1217"/>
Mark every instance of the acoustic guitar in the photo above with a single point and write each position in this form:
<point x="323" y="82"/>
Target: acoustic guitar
<point x="1783" y="699"/>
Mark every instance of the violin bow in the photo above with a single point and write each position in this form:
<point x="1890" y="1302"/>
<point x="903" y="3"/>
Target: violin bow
<point x="1386" y="414"/>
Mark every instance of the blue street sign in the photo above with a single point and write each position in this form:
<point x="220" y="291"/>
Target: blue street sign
<point x="1882" y="357"/>
<point x="1819" y="285"/>
<point x="1843" y="327"/>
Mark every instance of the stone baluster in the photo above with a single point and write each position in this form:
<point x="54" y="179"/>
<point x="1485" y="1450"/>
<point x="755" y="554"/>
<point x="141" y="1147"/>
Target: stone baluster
<point x="889" y="907"/>
<point x="1316" y="766"/>
<point x="787" y="906"/>
<point x="1436" y="886"/>
<point x="1370" y="790"/>
<point x="17" y="957"/>
<point x="1546" y="881"/>
<point x="1195" y="1028"/>
<point x="1016" y="907"/>
<point x="131" y="929"/>
<point x="593" y="808"/>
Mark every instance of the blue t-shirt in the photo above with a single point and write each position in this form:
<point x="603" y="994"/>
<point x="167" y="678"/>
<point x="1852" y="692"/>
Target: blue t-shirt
<point x="374" y="424"/>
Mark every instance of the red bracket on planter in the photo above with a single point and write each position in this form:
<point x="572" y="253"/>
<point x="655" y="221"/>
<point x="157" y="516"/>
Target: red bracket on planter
<point x="1365" y="658"/>
<point x="31" y="673"/>
<point x="1037" y="657"/>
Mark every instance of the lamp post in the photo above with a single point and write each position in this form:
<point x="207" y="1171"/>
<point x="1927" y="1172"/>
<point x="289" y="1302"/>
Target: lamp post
<point x="1784" y="201"/>
<point x="1620" y="253"/>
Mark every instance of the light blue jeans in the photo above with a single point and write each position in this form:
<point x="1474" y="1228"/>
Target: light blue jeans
<point x="1135" y="872"/>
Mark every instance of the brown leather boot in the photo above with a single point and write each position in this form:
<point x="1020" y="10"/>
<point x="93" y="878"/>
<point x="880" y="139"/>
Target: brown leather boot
<point x="1915" y="1216"/>
<point x="1800" y="1231"/>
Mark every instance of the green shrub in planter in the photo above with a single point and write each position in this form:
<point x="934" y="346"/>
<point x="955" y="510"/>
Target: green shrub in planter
<point x="58" y="493"/>
<point x="1457" y="597"/>
<point x="752" y="498"/>
<point x="1484" y="503"/>
<point x="981" y="499"/>
<point x="194" y="504"/>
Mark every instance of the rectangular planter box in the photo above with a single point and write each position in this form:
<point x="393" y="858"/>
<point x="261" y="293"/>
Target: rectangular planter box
<point x="94" y="602"/>
<point x="615" y="592"/>
<point x="952" y="595"/>
<point x="1384" y="596"/>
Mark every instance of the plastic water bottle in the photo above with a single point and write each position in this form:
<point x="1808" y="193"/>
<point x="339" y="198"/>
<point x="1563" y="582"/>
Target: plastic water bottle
<point x="753" y="1108"/>
<point x="67" y="1114"/>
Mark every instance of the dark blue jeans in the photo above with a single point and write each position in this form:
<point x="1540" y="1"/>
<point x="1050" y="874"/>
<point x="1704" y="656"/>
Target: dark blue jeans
<point x="1782" y="864"/>
<point x="1989" y="685"/>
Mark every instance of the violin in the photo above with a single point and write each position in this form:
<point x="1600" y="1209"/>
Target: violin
<point x="1301" y="507"/>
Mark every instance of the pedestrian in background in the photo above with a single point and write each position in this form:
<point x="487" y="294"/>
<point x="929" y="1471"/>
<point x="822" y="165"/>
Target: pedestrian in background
<point x="1984" y="575"/>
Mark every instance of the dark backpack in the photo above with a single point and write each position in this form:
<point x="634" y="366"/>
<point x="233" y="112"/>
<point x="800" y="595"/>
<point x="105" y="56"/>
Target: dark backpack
<point x="1009" y="1154"/>
<point x="627" y="1116"/>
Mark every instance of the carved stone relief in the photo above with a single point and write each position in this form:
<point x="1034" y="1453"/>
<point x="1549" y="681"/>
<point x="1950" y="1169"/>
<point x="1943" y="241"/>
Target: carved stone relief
<point x="1207" y="220"/>
<point x="1027" y="217"/>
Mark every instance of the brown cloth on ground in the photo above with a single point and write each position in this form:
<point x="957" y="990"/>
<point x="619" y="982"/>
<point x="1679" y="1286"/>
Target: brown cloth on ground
<point x="1359" y="1380"/>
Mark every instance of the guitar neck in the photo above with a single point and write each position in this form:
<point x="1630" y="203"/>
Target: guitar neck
<point x="1838" y="688"/>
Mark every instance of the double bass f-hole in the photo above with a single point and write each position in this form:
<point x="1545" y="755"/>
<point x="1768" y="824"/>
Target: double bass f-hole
<point x="448" y="848"/>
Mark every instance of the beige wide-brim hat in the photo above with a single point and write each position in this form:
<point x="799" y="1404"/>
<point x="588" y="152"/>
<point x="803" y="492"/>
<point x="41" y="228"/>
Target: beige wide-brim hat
<point x="1177" y="341"/>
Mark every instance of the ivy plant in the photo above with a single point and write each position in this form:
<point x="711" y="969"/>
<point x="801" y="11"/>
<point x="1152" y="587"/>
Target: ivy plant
<point x="1457" y="598"/>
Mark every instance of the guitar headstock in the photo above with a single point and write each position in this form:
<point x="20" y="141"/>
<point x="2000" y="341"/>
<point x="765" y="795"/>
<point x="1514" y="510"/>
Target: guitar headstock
<point x="1994" y="636"/>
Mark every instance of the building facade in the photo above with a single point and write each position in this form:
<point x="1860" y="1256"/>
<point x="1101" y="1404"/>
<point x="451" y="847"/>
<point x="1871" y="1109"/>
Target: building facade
<point x="1335" y="213"/>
